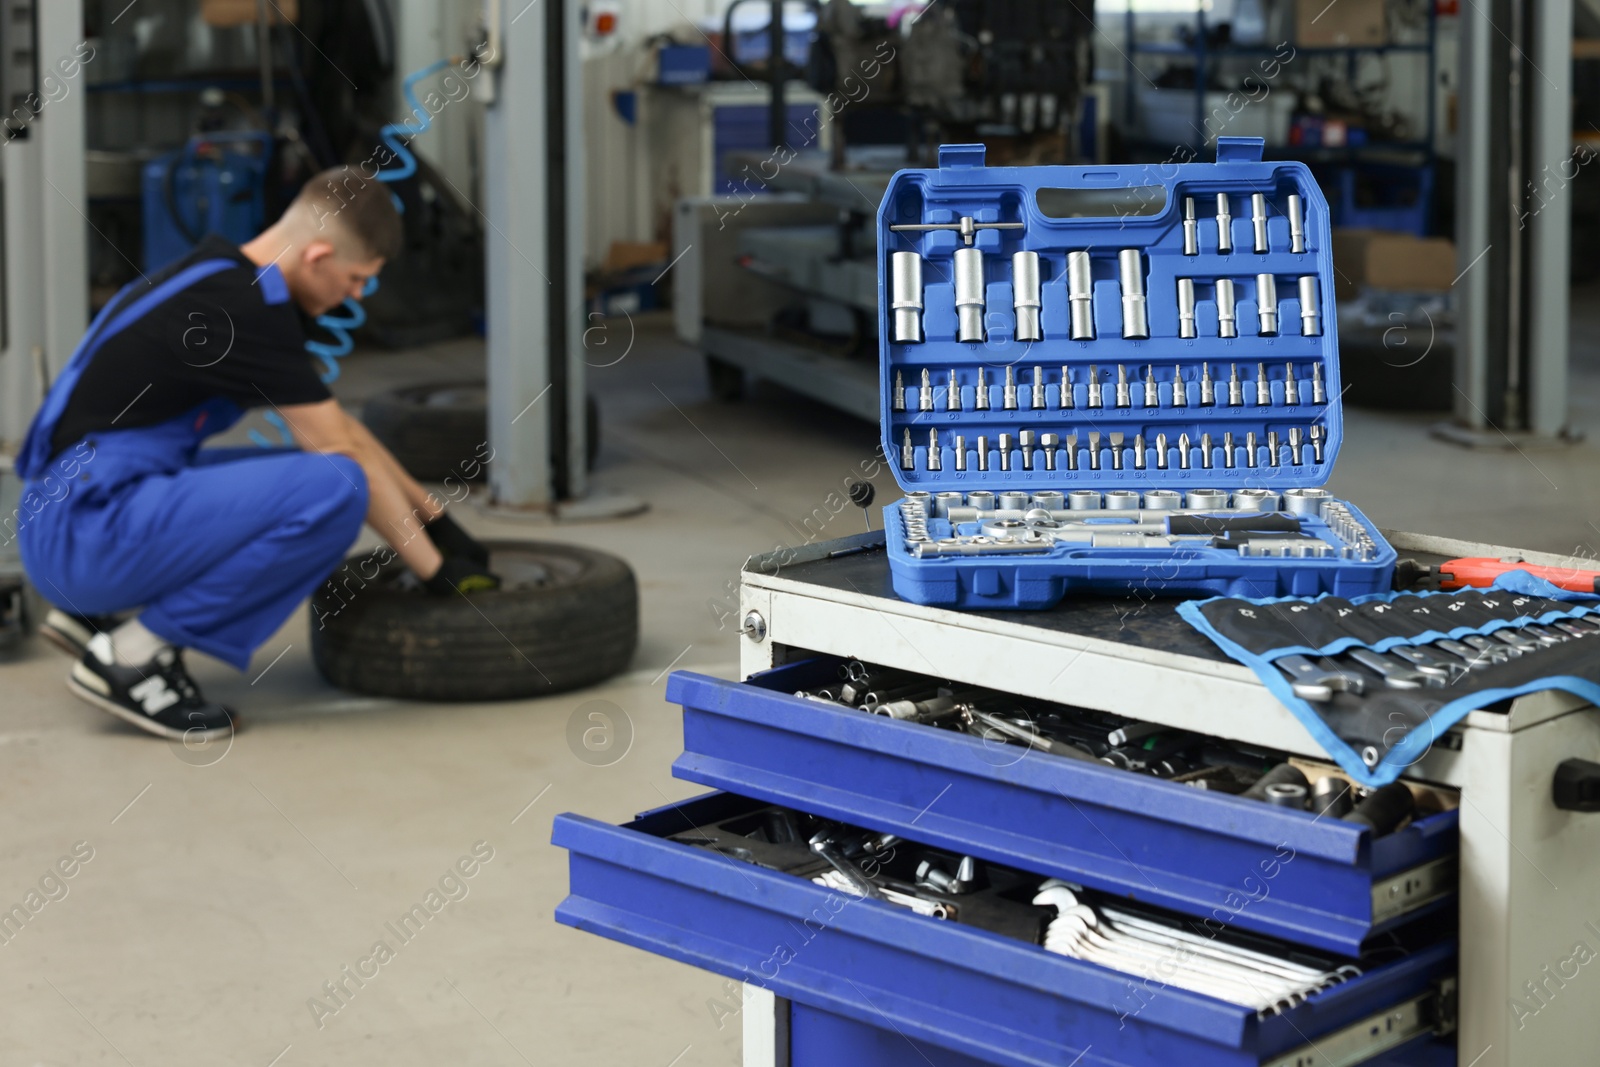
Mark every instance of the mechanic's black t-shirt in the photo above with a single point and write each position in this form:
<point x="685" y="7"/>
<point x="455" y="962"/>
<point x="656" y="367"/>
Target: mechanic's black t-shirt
<point x="234" y="334"/>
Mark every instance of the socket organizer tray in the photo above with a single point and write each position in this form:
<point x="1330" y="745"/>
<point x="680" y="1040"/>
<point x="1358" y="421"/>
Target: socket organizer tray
<point x="1113" y="379"/>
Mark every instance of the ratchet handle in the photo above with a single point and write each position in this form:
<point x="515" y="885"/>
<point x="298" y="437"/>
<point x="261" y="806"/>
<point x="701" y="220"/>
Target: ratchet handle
<point x="1266" y="522"/>
<point x="1482" y="572"/>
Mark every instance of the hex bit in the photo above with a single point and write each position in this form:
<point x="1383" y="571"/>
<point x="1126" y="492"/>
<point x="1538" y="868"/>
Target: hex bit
<point x="1180" y="388"/>
<point x="1005" y="451"/>
<point x="1010" y="389"/>
<point x="1048" y="443"/>
<point x="980" y="396"/>
<point x="961" y="453"/>
<point x="1068" y="401"/>
<point x="1038" y="389"/>
<point x="983" y="452"/>
<point x="1025" y="444"/>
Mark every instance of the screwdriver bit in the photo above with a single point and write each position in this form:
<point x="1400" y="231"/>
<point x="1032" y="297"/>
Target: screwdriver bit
<point x="1227" y="450"/>
<point x="899" y="391"/>
<point x="1072" y="451"/>
<point x="961" y="453"/>
<point x="935" y="460"/>
<point x="1205" y="451"/>
<point x="1025" y="443"/>
<point x="1005" y="451"/>
<point x="1094" y="386"/>
<point x="1297" y="449"/>
<point x="1235" y="388"/>
<point x="1067" y="401"/>
<point x="952" y="393"/>
<point x="1116" y="450"/>
<point x="1152" y="391"/>
<point x="1161" y="451"/>
<point x="1094" y="450"/>
<point x="1180" y="389"/>
<point x="1250" y="458"/>
<point x="1138" y="452"/>
<point x="1183" y="451"/>
<point x="925" y="394"/>
<point x="1123" y="397"/>
<point x="1038" y="389"/>
<point x="1011" y="389"/>
<point x="1319" y="393"/>
<point x="1272" y="448"/>
<point x="908" y="454"/>
<point x="1208" y="388"/>
<point x="981" y="394"/>
<point x="1291" y="388"/>
<point x="1263" y="386"/>
<point x="983" y="452"/>
<point x="1316" y="442"/>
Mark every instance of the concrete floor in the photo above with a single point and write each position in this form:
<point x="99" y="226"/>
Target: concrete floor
<point x="226" y="887"/>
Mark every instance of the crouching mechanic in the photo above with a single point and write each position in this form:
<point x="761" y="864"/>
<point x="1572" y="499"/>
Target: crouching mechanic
<point x="215" y="548"/>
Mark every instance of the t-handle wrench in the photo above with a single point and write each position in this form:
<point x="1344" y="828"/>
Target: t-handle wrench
<point x="1395" y="676"/>
<point x="1319" y="683"/>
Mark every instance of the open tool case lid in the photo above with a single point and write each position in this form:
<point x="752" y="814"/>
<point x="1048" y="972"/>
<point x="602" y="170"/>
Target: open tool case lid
<point x="1103" y="210"/>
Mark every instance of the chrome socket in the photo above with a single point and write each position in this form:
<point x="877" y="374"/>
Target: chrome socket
<point x="1310" y="306"/>
<point x="1163" y="500"/>
<point x="1227" y="319"/>
<point x="905" y="294"/>
<point x="1206" y="499"/>
<point x="1080" y="296"/>
<point x="943" y="502"/>
<point x="1224" y="225"/>
<point x="1191" y="229"/>
<point x="1083" y="500"/>
<point x="1255" y="499"/>
<point x="1305" y="501"/>
<point x="1297" y="224"/>
<point x="969" y="295"/>
<point x="1267" y="304"/>
<point x="1258" y="218"/>
<point x="1011" y="500"/>
<point x="1186" y="324"/>
<point x="1025" y="297"/>
<point x="1050" y="500"/>
<point x="981" y="499"/>
<point x="1122" y="500"/>
<point x="1025" y="439"/>
<point x="1135" y="317"/>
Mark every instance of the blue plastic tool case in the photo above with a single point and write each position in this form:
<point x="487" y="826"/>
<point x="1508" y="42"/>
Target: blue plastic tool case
<point x="1105" y="212"/>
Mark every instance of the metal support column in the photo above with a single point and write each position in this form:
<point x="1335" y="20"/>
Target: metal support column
<point x="534" y="193"/>
<point x="1514" y="163"/>
<point x="45" y="229"/>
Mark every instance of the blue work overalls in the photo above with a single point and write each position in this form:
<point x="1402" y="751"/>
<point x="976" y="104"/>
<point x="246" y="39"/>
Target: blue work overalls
<point x="217" y="547"/>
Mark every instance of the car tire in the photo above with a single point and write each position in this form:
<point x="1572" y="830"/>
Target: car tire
<point x="567" y="617"/>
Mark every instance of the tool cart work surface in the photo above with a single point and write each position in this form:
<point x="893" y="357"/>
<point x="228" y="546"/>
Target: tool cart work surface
<point x="1129" y="655"/>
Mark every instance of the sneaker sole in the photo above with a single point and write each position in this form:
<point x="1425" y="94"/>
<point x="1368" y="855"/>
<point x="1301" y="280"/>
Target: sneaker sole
<point x="143" y="722"/>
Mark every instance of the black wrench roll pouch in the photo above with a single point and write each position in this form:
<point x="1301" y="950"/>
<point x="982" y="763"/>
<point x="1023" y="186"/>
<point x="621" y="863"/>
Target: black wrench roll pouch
<point x="1375" y="735"/>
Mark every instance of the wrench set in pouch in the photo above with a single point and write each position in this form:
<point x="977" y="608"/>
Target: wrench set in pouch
<point x="1113" y="378"/>
<point x="1379" y="679"/>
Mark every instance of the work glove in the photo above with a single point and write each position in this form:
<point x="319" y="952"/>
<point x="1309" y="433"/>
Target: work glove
<point x="449" y="538"/>
<point x="457" y="575"/>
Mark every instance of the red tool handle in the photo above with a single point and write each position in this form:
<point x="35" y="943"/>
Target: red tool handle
<point x="1482" y="572"/>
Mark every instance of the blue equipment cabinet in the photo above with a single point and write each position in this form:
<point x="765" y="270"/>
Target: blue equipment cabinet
<point x="1071" y="353"/>
<point x="207" y="187"/>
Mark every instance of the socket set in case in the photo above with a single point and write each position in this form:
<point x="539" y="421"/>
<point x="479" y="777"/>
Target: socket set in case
<point x="1114" y="379"/>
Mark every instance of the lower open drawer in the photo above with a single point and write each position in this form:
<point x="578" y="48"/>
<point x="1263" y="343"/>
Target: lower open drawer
<point x="1316" y="881"/>
<point x="973" y="992"/>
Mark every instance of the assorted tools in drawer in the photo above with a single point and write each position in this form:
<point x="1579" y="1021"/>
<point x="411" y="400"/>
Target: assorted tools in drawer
<point x="1190" y="759"/>
<point x="1120" y="335"/>
<point x="1263" y="974"/>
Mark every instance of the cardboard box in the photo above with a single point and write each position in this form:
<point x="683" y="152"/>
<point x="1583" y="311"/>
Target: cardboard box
<point x="1338" y="23"/>
<point x="1395" y="261"/>
<point x="226" y="13"/>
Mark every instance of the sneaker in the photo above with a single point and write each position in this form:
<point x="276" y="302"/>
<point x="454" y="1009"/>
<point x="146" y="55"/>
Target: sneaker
<point x="71" y="633"/>
<point x="159" y="697"/>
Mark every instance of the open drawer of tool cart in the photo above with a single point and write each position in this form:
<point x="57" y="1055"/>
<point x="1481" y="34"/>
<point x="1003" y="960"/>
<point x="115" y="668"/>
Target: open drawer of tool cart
<point x="708" y="882"/>
<point x="1313" y="880"/>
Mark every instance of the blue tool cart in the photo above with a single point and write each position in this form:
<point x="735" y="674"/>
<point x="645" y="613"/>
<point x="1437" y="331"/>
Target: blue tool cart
<point x="1447" y="918"/>
<point x="1112" y="379"/>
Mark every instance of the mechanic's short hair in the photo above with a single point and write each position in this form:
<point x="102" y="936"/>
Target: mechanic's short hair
<point x="353" y="210"/>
